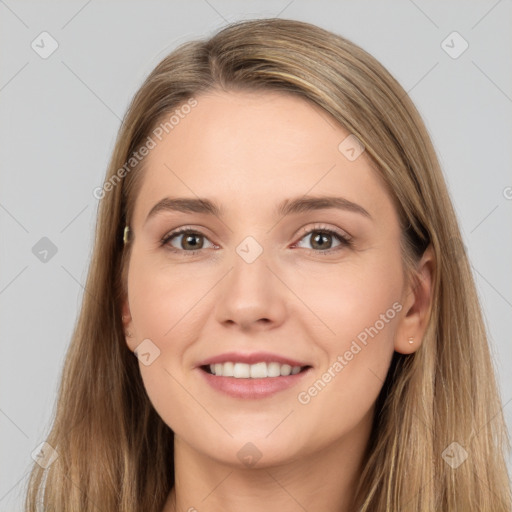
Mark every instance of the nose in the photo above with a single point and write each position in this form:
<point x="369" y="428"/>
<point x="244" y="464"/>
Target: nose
<point x="251" y="296"/>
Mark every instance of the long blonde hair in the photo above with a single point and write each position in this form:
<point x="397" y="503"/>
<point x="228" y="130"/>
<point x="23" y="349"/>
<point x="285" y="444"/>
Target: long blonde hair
<point x="116" y="453"/>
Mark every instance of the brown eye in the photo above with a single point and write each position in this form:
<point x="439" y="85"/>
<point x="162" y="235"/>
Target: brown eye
<point x="321" y="240"/>
<point x="190" y="240"/>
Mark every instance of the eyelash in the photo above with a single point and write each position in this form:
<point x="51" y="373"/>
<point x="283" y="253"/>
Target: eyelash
<point x="344" y="240"/>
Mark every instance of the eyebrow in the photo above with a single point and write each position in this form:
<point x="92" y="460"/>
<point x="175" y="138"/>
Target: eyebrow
<point x="287" y="207"/>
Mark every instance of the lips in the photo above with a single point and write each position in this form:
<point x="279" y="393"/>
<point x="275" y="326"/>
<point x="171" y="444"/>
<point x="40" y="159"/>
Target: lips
<point x="249" y="376"/>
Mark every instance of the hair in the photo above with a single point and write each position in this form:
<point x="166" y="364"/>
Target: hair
<point x="114" y="450"/>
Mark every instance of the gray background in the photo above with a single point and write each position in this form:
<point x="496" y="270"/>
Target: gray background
<point x="59" y="117"/>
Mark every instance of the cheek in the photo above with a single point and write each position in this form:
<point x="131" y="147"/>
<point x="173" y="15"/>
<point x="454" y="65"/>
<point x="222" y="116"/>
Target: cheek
<point x="352" y="300"/>
<point x="165" y="305"/>
<point x="359" y="308"/>
<point x="162" y="297"/>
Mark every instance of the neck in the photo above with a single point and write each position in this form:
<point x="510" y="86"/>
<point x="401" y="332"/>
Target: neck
<point x="323" y="480"/>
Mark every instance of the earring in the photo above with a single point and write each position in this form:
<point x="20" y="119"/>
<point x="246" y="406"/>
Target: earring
<point x="129" y="334"/>
<point x="411" y="340"/>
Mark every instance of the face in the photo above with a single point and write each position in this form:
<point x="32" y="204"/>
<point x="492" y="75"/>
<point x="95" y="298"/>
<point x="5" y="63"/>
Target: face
<point x="319" y="288"/>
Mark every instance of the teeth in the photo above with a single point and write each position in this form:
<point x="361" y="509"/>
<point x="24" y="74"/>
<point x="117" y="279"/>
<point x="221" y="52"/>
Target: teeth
<point x="286" y="369"/>
<point x="273" y="369"/>
<point x="258" y="371"/>
<point x="227" y="369"/>
<point x="240" y="371"/>
<point x="253" y="371"/>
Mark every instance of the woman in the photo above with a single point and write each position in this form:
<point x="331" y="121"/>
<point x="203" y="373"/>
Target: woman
<point x="277" y="248"/>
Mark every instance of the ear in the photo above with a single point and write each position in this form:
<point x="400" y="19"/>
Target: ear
<point x="417" y="305"/>
<point x="128" y="325"/>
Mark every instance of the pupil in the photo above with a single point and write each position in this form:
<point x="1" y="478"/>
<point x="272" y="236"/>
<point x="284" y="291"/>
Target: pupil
<point x="322" y="236"/>
<point x="187" y="239"/>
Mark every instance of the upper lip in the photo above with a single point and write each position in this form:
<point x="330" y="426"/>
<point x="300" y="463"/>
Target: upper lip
<point x="253" y="358"/>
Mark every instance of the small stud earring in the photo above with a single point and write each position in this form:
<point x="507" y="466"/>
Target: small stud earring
<point x="411" y="340"/>
<point x="129" y="334"/>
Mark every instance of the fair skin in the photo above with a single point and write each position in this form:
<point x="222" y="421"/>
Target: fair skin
<point x="247" y="152"/>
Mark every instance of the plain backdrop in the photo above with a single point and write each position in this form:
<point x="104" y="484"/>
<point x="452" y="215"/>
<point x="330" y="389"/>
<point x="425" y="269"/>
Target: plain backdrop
<point x="59" y="116"/>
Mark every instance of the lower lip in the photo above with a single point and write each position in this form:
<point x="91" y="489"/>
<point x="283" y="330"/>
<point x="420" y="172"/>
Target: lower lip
<point x="252" y="388"/>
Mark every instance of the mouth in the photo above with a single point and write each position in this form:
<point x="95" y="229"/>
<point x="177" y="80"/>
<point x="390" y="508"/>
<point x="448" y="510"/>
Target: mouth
<point x="251" y="381"/>
<point x="261" y="370"/>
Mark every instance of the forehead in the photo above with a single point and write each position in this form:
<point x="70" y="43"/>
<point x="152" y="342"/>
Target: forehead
<point x="253" y="148"/>
<point x="235" y="126"/>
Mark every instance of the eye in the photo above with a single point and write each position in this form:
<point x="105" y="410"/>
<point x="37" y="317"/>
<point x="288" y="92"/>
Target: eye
<point x="189" y="238"/>
<point x="321" y="239"/>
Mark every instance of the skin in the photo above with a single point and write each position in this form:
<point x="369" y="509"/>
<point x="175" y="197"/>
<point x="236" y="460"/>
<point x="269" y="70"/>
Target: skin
<point x="248" y="151"/>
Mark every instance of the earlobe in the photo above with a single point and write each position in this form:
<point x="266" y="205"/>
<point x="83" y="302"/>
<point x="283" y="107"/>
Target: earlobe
<point x="407" y="345"/>
<point x="417" y="306"/>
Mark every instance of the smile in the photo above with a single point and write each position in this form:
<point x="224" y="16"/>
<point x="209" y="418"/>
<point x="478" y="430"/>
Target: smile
<point x="251" y="381"/>
<point x="260" y="370"/>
